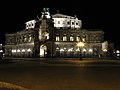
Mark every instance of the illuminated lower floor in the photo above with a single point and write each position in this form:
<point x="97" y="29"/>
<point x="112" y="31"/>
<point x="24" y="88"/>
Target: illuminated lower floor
<point x="57" y="49"/>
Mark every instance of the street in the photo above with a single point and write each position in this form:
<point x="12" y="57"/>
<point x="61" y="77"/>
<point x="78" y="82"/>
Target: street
<point x="35" y="75"/>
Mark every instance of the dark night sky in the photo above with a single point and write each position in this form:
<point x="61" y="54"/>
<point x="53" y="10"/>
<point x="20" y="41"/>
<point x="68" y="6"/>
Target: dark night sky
<point x="94" y="14"/>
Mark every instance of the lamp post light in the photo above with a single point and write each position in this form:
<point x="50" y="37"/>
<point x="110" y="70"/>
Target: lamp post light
<point x="80" y="46"/>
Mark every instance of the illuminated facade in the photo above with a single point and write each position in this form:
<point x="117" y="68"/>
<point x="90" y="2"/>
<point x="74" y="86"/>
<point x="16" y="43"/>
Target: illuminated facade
<point x="1" y="51"/>
<point x="56" y="36"/>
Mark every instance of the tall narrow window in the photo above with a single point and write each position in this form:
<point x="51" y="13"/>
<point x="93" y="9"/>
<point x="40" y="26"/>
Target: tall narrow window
<point x="78" y="38"/>
<point x="29" y="38"/>
<point x="24" y="38"/>
<point x="21" y="39"/>
<point x="57" y="38"/>
<point x="64" y="37"/>
<point x="83" y="38"/>
<point x="71" y="38"/>
<point x="17" y="40"/>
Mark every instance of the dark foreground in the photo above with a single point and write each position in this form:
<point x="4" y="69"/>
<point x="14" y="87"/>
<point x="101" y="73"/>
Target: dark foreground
<point x="36" y="75"/>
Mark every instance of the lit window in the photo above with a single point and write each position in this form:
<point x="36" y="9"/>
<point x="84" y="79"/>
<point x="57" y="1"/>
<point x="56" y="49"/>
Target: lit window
<point x="18" y="50"/>
<point x="62" y="50"/>
<point x="29" y="50"/>
<point x="71" y="49"/>
<point x="65" y="48"/>
<point x="20" y="39"/>
<point x="84" y="50"/>
<point x="57" y="48"/>
<point x="47" y="35"/>
<point x="78" y="38"/>
<point x="57" y="38"/>
<point x="30" y="38"/>
<point x="90" y="50"/>
<point x="23" y="50"/>
<point x="104" y="50"/>
<point x="71" y="38"/>
<point x="13" y="50"/>
<point x="83" y="38"/>
<point x="64" y="38"/>
<point x="24" y="38"/>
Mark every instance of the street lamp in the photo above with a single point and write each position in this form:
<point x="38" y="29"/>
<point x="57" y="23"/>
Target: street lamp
<point x="80" y="46"/>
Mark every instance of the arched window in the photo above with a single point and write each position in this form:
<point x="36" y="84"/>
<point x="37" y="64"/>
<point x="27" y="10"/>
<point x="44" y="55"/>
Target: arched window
<point x="43" y="51"/>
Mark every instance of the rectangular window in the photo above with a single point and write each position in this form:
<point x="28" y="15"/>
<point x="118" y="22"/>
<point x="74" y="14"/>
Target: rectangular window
<point x="64" y="38"/>
<point x="58" y="22"/>
<point x="78" y="38"/>
<point x="57" y="38"/>
<point x="83" y="39"/>
<point x="21" y="40"/>
<point x="25" y="39"/>
<point x="29" y="38"/>
<point x="71" y="38"/>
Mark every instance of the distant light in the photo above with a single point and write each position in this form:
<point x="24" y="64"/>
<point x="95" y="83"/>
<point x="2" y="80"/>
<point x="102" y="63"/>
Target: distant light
<point x="70" y="49"/>
<point x="77" y="49"/>
<point x="13" y="51"/>
<point x="80" y="44"/>
<point x="57" y="48"/>
<point x="90" y="50"/>
<point x="29" y="50"/>
<point x="104" y="50"/>
<point x="18" y="50"/>
<point x="84" y="50"/>
<point x="1" y="50"/>
<point x="117" y="51"/>
<point x="61" y="49"/>
<point x="23" y="50"/>
<point x="65" y="48"/>
<point x="118" y="55"/>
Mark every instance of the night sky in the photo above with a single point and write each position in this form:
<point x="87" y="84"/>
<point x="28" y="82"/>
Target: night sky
<point x="94" y="15"/>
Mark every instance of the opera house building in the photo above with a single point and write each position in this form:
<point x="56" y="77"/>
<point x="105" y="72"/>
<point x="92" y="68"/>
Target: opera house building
<point x="56" y="36"/>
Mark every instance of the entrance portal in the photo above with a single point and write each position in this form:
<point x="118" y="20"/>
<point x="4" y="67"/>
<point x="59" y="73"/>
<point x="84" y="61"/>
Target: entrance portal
<point x="43" y="51"/>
